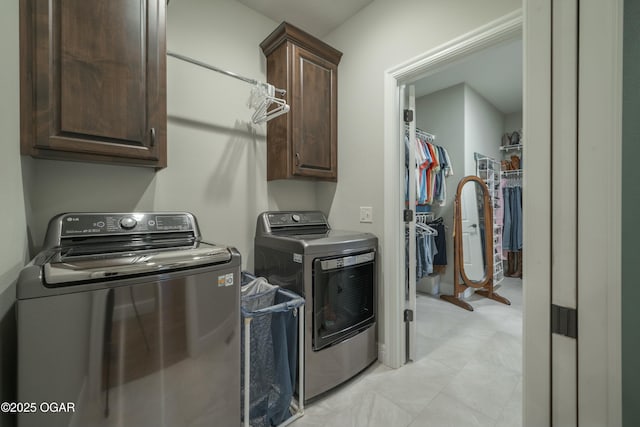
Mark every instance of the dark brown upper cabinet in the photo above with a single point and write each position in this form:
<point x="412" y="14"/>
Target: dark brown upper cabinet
<point x="93" y="80"/>
<point x="303" y="143"/>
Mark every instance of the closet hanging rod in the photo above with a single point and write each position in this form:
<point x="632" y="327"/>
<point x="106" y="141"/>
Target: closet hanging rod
<point x="424" y="214"/>
<point x="431" y="137"/>
<point x="423" y="218"/>
<point x="511" y="147"/>
<point x="421" y="132"/>
<point x="427" y="135"/>
<point x="219" y="70"/>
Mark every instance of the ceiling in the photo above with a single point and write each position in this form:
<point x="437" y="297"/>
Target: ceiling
<point x="315" y="17"/>
<point x="495" y="73"/>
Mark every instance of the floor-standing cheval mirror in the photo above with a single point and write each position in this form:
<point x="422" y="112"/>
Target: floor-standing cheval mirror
<point x="473" y="255"/>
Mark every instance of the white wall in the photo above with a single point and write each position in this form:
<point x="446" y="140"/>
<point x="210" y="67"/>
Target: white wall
<point x="216" y="157"/>
<point x="442" y="113"/>
<point x="52" y="187"/>
<point x="13" y="229"/>
<point x="513" y="121"/>
<point x="484" y="126"/>
<point x="13" y="234"/>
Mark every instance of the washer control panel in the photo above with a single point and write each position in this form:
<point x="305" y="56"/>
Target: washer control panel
<point x="128" y="222"/>
<point x="78" y="224"/>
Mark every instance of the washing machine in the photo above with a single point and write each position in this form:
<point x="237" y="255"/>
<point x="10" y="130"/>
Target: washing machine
<point x="336" y="272"/>
<point x="129" y="319"/>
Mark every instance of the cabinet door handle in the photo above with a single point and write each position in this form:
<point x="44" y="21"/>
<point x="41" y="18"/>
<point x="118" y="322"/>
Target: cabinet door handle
<point x="297" y="159"/>
<point x="153" y="136"/>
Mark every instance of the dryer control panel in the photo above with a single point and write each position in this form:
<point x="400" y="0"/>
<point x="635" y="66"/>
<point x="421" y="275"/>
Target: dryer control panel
<point x="296" y="219"/>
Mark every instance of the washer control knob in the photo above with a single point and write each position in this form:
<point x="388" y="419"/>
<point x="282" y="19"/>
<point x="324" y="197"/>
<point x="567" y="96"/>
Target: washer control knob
<point x="128" y="223"/>
<point x="295" y="218"/>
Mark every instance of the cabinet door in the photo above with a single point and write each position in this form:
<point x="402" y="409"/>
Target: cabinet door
<point x="314" y="114"/>
<point x="97" y="90"/>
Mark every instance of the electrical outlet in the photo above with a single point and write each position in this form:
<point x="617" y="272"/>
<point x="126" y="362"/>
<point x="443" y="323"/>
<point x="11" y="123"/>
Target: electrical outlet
<point x="366" y="214"/>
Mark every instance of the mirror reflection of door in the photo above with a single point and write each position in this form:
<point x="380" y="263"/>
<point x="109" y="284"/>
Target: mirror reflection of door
<point x="472" y="245"/>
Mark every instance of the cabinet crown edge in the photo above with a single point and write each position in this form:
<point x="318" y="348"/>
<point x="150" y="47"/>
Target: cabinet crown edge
<point x="288" y="32"/>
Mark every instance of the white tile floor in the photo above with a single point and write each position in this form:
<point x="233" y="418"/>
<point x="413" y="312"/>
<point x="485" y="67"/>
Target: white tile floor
<point x="468" y="372"/>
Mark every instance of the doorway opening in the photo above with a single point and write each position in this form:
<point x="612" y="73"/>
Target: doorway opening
<point x="470" y="99"/>
<point x="468" y="118"/>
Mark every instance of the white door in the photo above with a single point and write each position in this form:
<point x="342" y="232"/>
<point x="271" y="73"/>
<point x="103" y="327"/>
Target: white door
<point x="551" y="120"/>
<point x="471" y="238"/>
<point x="408" y="101"/>
<point x="564" y="166"/>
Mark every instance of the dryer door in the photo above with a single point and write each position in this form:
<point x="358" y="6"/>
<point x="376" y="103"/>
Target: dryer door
<point x="343" y="297"/>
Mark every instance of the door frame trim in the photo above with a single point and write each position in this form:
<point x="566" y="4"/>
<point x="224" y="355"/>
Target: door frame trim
<point x="599" y="248"/>
<point x="537" y="213"/>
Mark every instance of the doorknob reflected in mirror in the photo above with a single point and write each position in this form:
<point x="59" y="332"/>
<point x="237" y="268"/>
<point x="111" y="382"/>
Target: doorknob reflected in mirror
<point x="473" y="250"/>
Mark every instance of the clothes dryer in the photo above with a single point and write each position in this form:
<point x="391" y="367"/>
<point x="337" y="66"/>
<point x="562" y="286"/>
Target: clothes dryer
<point x="336" y="272"/>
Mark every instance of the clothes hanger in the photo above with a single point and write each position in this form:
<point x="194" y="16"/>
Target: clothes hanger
<point x="263" y="100"/>
<point x="280" y="109"/>
<point x="428" y="230"/>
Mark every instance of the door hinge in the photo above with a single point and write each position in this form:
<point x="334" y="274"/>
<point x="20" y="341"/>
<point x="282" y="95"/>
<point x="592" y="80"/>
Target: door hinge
<point x="407" y="214"/>
<point x="408" y="315"/>
<point x="564" y="321"/>
<point x="408" y="116"/>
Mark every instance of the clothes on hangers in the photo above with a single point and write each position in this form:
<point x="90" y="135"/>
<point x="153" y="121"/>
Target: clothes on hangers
<point x="440" y="259"/>
<point x="498" y="212"/>
<point x="425" y="252"/>
<point x="431" y="256"/>
<point x="512" y="216"/>
<point x="433" y="165"/>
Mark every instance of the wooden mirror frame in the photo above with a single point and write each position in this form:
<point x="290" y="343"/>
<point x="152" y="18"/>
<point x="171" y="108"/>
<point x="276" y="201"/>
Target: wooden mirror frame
<point x="460" y="279"/>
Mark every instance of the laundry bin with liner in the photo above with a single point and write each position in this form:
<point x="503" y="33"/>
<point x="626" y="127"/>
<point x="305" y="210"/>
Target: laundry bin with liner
<point x="271" y="350"/>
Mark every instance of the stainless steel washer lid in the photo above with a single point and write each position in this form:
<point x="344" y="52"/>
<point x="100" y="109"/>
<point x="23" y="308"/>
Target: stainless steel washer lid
<point x="61" y="271"/>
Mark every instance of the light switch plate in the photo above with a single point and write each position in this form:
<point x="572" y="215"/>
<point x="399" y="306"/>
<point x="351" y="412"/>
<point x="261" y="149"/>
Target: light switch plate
<point x="366" y="214"/>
